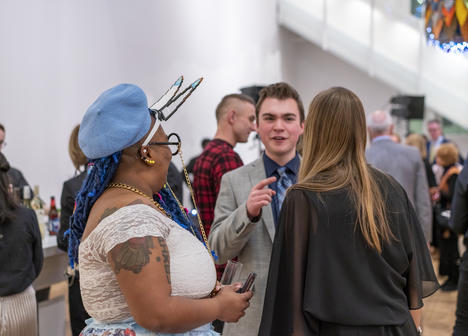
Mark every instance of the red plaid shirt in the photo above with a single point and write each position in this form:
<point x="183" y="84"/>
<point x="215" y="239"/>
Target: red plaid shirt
<point x="217" y="158"/>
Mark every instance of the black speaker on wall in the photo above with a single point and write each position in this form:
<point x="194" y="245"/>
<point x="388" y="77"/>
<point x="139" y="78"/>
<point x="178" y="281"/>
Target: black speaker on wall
<point x="252" y="91"/>
<point x="408" y="107"/>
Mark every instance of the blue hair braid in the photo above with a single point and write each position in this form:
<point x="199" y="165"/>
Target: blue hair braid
<point x="100" y="173"/>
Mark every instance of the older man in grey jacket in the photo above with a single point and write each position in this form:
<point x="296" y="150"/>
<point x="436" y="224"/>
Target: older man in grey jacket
<point x="404" y="163"/>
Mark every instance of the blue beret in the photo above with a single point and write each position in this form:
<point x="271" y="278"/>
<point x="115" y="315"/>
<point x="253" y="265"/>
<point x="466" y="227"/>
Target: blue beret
<point x="118" y="119"/>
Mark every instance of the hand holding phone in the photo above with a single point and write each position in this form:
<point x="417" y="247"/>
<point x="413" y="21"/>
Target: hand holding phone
<point x="248" y="283"/>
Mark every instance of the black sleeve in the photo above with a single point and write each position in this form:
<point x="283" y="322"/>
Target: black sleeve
<point x="431" y="181"/>
<point x="174" y="179"/>
<point x="38" y="256"/>
<point x="451" y="185"/>
<point x="459" y="218"/>
<point x="420" y="276"/>
<point x="283" y="308"/>
<point x="191" y="165"/>
<point x="67" y="202"/>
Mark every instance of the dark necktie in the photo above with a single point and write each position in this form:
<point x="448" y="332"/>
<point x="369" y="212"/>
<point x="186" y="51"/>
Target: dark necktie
<point x="284" y="182"/>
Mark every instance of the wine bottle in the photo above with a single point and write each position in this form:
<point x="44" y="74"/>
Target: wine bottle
<point x="38" y="206"/>
<point x="53" y="224"/>
<point x="37" y="203"/>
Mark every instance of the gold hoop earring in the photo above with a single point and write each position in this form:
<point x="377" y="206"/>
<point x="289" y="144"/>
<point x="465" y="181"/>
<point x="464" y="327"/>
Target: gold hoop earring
<point x="149" y="162"/>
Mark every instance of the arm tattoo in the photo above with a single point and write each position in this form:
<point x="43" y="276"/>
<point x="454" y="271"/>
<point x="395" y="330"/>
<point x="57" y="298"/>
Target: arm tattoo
<point x="137" y="201"/>
<point x="132" y="255"/>
<point x="110" y="211"/>
<point x="166" y="259"/>
<point x="107" y="212"/>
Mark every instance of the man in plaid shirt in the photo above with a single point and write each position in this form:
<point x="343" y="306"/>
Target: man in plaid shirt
<point x="235" y="115"/>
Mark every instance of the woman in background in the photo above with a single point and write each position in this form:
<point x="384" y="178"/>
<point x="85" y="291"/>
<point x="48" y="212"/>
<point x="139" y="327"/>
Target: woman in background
<point x="417" y="140"/>
<point x="78" y="314"/>
<point x="349" y="256"/>
<point x="447" y="158"/>
<point x="20" y="262"/>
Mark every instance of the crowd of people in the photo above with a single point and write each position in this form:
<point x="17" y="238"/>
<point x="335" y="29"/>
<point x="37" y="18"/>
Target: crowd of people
<point x="338" y="232"/>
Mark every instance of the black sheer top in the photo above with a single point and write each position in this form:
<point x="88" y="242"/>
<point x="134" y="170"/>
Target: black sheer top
<point x="324" y="276"/>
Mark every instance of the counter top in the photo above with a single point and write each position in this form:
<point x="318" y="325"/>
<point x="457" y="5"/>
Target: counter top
<point x="55" y="264"/>
<point x="49" y="246"/>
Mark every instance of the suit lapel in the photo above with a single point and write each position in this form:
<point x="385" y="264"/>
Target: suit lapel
<point x="257" y="174"/>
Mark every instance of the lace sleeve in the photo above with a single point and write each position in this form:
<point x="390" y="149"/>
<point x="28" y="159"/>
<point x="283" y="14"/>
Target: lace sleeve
<point x="129" y="222"/>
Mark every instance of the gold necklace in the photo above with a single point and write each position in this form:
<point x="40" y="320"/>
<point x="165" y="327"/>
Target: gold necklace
<point x="189" y="184"/>
<point x="139" y="192"/>
<point x="188" y="219"/>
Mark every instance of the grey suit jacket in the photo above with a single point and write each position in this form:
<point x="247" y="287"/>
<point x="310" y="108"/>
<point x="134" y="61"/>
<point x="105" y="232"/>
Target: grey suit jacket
<point x="404" y="163"/>
<point x="233" y="234"/>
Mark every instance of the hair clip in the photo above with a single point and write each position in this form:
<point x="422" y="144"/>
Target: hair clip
<point x="166" y="100"/>
<point x="171" y="96"/>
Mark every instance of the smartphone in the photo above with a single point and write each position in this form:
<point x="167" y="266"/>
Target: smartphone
<point x="248" y="283"/>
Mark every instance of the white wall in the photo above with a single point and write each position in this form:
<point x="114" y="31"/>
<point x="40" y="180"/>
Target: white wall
<point x="59" y="55"/>
<point x="312" y="70"/>
<point x="382" y="38"/>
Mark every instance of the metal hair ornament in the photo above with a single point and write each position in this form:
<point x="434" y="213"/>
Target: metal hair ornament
<point x="167" y="100"/>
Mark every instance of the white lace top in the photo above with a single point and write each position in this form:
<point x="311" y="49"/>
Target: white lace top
<point x="192" y="269"/>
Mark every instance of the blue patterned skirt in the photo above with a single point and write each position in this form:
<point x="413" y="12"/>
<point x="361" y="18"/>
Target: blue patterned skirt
<point x="131" y="328"/>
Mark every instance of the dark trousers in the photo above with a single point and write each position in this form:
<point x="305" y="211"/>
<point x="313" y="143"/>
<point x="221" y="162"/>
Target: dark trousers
<point x="42" y="294"/>
<point x="461" y="323"/>
<point x="435" y="229"/>
<point x="78" y="314"/>
<point x="449" y="255"/>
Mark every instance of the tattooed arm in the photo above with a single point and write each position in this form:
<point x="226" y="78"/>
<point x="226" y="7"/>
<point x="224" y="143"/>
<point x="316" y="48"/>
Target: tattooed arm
<point x="142" y="268"/>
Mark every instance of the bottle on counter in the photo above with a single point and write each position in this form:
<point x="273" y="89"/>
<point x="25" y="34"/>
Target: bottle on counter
<point x="37" y="204"/>
<point x="54" y="223"/>
<point x="26" y="196"/>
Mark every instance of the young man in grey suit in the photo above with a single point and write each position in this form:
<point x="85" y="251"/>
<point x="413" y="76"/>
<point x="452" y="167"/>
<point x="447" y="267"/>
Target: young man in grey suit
<point x="250" y="197"/>
<point x="403" y="163"/>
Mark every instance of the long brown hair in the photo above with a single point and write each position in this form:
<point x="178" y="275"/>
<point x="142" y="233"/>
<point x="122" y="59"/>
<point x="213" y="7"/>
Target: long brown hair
<point x="334" y="158"/>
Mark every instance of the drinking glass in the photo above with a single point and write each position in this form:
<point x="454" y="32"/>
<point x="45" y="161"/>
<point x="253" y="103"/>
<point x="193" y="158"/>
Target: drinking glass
<point x="231" y="272"/>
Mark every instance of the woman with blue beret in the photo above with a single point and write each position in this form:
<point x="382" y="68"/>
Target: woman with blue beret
<point x="143" y="270"/>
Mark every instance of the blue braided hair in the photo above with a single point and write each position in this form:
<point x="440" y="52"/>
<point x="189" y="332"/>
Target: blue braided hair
<point x="167" y="200"/>
<point x="100" y="173"/>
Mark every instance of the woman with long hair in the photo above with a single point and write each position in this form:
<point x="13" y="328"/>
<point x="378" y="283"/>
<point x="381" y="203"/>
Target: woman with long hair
<point x="20" y="262"/>
<point x="349" y="256"/>
<point x="144" y="270"/>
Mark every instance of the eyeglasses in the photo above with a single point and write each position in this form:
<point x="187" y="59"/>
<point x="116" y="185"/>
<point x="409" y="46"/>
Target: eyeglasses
<point x="174" y="146"/>
<point x="166" y="100"/>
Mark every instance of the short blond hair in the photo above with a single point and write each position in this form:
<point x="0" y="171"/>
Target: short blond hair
<point x="447" y="153"/>
<point x="418" y="141"/>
